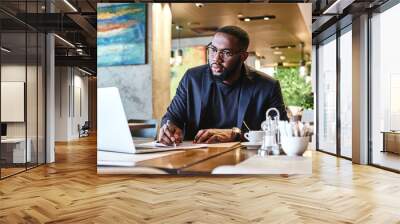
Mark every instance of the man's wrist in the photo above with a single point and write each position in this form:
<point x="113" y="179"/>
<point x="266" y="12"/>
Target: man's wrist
<point x="236" y="134"/>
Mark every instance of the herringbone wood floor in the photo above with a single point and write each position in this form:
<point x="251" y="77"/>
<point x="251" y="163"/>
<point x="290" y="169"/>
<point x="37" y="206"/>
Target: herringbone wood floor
<point x="70" y="191"/>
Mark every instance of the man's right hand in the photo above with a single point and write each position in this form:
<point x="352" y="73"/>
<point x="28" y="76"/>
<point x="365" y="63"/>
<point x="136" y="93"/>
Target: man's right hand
<point x="170" y="134"/>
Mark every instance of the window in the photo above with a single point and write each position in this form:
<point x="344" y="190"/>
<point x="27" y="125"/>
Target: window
<point x="22" y="77"/>
<point x="327" y="96"/>
<point x="385" y="88"/>
<point x="346" y="92"/>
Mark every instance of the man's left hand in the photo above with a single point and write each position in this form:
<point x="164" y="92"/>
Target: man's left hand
<point x="214" y="136"/>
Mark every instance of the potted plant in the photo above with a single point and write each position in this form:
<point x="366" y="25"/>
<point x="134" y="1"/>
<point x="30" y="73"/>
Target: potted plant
<point x="297" y="92"/>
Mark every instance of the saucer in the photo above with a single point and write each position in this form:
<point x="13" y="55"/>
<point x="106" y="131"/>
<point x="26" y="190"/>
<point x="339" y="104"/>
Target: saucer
<point x="252" y="145"/>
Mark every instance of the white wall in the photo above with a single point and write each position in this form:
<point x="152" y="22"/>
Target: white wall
<point x="16" y="72"/>
<point x="71" y="87"/>
<point x="33" y="126"/>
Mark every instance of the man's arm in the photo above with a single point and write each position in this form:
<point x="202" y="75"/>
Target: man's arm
<point x="176" y="115"/>
<point x="176" y="111"/>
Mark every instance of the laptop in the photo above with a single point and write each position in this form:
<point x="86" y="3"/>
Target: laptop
<point x="112" y="127"/>
<point x="113" y="134"/>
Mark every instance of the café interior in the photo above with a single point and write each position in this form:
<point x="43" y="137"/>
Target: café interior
<point x="337" y="56"/>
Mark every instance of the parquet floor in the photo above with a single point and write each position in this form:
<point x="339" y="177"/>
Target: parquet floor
<point x="70" y="191"/>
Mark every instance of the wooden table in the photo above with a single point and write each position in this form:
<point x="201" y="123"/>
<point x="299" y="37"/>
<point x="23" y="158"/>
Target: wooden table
<point x="136" y="126"/>
<point x="232" y="157"/>
<point x="391" y="141"/>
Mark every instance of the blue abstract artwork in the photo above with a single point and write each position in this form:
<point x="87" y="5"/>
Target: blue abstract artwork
<point x="121" y="34"/>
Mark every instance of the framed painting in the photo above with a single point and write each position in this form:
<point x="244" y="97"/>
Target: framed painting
<point x="121" y="34"/>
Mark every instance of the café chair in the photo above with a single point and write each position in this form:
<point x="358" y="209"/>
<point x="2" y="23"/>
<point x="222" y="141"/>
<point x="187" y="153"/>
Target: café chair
<point x="147" y="132"/>
<point x="84" y="129"/>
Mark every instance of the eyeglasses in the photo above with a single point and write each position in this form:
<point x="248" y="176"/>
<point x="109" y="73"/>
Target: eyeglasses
<point x="225" y="53"/>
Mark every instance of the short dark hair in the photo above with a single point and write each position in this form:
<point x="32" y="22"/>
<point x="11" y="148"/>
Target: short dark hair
<point x="237" y="32"/>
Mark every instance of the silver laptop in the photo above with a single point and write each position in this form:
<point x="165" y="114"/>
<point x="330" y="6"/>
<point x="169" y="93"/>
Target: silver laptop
<point x="113" y="132"/>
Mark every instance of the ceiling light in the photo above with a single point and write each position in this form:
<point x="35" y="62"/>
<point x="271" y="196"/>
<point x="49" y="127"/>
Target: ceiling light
<point x="282" y="57"/>
<point x="178" y="27"/>
<point x="64" y="40"/>
<point x="277" y="52"/>
<point x="199" y="5"/>
<point x="252" y="18"/>
<point x="240" y="15"/>
<point x="193" y="23"/>
<point x="277" y="47"/>
<point x="172" y="58"/>
<point x="5" y="50"/>
<point x="70" y="5"/>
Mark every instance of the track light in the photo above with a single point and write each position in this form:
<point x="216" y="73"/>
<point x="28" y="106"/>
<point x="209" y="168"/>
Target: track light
<point x="64" y="40"/>
<point x="5" y="50"/>
<point x="84" y="71"/>
<point x="70" y="5"/>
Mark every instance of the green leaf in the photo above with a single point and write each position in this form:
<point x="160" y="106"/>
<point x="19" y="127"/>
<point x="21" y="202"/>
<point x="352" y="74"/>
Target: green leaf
<point x="296" y="90"/>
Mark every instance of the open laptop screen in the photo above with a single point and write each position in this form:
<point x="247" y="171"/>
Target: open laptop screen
<point x="113" y="132"/>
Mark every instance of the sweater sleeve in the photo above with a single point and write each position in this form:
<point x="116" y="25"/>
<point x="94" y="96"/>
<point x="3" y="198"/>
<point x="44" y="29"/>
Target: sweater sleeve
<point x="176" y="111"/>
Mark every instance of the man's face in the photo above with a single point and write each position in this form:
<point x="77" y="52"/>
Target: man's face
<point x="224" y="54"/>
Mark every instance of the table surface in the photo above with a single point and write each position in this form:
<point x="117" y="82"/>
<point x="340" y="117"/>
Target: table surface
<point x="229" y="156"/>
<point x="136" y="126"/>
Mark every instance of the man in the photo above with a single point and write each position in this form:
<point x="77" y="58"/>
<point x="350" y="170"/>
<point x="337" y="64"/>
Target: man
<point x="214" y="102"/>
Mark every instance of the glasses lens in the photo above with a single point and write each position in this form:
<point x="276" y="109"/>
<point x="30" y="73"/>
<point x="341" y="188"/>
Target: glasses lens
<point x="211" y="51"/>
<point x="224" y="54"/>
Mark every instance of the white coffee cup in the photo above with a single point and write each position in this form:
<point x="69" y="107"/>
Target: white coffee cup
<point x="254" y="136"/>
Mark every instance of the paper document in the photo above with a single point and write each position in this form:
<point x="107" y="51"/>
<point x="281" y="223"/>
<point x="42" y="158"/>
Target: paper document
<point x="158" y="147"/>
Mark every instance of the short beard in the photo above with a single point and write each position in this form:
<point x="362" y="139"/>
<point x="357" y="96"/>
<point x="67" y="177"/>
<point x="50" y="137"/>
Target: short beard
<point x="226" y="73"/>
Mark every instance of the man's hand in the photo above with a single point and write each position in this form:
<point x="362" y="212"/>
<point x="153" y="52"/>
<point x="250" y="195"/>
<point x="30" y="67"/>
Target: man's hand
<point x="214" y="136"/>
<point x="170" y="134"/>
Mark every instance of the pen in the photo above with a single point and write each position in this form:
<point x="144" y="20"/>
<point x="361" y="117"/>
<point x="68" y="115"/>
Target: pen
<point x="246" y="125"/>
<point x="168" y="125"/>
